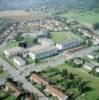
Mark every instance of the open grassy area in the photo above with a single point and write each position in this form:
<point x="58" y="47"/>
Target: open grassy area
<point x="93" y="81"/>
<point x="10" y="98"/>
<point x="12" y="44"/>
<point x="61" y="36"/>
<point x="29" y="39"/>
<point x="89" y="17"/>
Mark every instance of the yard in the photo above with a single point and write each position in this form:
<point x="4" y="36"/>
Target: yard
<point x="93" y="82"/>
<point x="61" y="36"/>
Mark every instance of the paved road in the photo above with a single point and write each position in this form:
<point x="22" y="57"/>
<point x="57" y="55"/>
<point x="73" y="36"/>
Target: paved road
<point x="21" y="78"/>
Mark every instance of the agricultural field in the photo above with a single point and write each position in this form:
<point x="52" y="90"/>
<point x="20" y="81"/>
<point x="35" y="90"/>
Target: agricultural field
<point x="89" y="17"/>
<point x="61" y="36"/>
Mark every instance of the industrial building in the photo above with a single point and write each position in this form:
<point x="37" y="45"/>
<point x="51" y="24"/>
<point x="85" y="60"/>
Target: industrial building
<point x="68" y="44"/>
<point x="9" y="52"/>
<point x="19" y="61"/>
<point x="43" y="52"/>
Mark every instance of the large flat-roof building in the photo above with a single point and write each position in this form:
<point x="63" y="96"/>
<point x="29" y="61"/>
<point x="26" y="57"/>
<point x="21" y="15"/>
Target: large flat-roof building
<point x="43" y="52"/>
<point x="19" y="61"/>
<point x="68" y="44"/>
<point x="13" y="51"/>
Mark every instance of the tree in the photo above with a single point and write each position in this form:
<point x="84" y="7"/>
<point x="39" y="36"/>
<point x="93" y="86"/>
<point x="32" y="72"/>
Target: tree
<point x="36" y="60"/>
<point x="96" y="26"/>
<point x="64" y="73"/>
<point x="71" y="76"/>
<point x="35" y="40"/>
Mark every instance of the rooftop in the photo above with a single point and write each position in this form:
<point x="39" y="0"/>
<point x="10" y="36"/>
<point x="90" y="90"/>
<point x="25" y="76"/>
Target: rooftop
<point x="19" y="59"/>
<point x="41" y="49"/>
<point x="14" y="88"/>
<point x="55" y="92"/>
<point x="38" y="79"/>
<point x="89" y="64"/>
<point x="70" y="41"/>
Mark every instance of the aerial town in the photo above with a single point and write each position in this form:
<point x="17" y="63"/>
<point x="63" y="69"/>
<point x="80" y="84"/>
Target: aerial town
<point x="48" y="57"/>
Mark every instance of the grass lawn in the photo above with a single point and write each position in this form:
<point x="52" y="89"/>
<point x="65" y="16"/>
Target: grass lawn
<point x="28" y="39"/>
<point x="93" y="81"/>
<point x="89" y="16"/>
<point x="12" y="44"/>
<point x="61" y="36"/>
<point x="10" y="98"/>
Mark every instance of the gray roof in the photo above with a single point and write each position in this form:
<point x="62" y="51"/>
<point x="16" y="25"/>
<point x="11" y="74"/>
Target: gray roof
<point x="42" y="33"/>
<point x="19" y="59"/>
<point x="66" y="42"/>
<point x="89" y="64"/>
<point x="44" y="49"/>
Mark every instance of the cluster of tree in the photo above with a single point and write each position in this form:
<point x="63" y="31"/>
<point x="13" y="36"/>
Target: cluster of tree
<point x="23" y="44"/>
<point x="96" y="26"/>
<point x="19" y="38"/>
<point x="93" y="72"/>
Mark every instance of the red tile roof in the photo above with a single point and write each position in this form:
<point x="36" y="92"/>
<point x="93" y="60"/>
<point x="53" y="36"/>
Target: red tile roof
<point x="55" y="92"/>
<point x="38" y="79"/>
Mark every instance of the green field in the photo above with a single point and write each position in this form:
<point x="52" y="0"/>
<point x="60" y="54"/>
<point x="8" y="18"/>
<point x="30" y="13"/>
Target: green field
<point x="61" y="36"/>
<point x="12" y="44"/>
<point x="93" y="81"/>
<point x="87" y="17"/>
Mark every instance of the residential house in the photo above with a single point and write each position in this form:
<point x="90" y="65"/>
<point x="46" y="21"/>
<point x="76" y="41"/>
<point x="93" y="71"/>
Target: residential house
<point x="13" y="88"/>
<point x="55" y="92"/>
<point x="89" y="65"/>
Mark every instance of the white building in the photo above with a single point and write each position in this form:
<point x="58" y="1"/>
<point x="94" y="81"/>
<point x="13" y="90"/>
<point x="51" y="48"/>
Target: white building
<point x="97" y="69"/>
<point x="13" y="51"/>
<point x="19" y="61"/>
<point x="96" y="40"/>
<point x="89" y="66"/>
<point x="43" y="52"/>
<point x="68" y="44"/>
<point x="92" y="55"/>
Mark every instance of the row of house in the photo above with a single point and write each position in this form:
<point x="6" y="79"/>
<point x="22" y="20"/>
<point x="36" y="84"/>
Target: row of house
<point x="48" y="88"/>
<point x="87" y="65"/>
